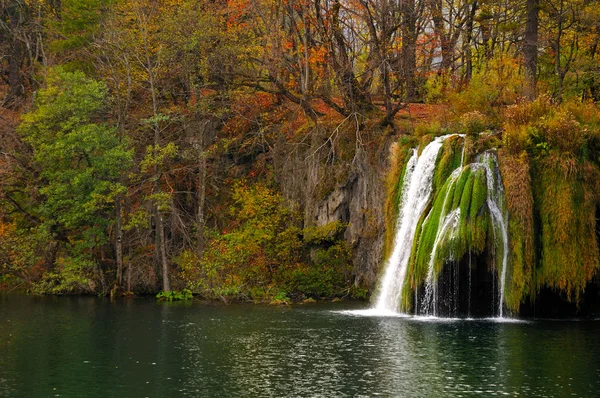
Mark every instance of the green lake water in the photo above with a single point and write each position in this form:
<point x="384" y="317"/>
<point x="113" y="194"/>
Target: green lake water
<point x="89" y="347"/>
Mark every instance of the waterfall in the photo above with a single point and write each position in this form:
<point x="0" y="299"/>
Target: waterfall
<point x="416" y="192"/>
<point x="469" y="289"/>
<point x="448" y="227"/>
<point x="452" y="229"/>
<point x="446" y="221"/>
<point x="495" y="193"/>
<point x="449" y="224"/>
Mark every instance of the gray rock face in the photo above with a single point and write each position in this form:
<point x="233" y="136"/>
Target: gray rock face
<point x="335" y="207"/>
<point x="351" y="192"/>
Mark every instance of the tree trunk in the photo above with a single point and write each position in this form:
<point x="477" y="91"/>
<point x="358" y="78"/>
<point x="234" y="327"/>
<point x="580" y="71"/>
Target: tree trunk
<point x="149" y="65"/>
<point x="355" y="99"/>
<point x="557" y="61"/>
<point x="160" y="226"/>
<point x="409" y="48"/>
<point x="200" y="221"/>
<point x="438" y="26"/>
<point x="119" y="241"/>
<point x="468" y="40"/>
<point x="50" y="255"/>
<point x="129" y="276"/>
<point x="17" y="54"/>
<point x="161" y="247"/>
<point x="530" y="48"/>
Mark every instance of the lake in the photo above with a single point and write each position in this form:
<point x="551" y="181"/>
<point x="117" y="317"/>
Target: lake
<point x="91" y="347"/>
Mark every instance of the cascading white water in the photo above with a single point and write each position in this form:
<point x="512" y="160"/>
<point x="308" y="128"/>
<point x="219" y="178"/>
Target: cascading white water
<point x="444" y="222"/>
<point x="416" y="192"/>
<point x="449" y="223"/>
<point x="495" y="193"/>
<point x="448" y="226"/>
<point x="415" y="197"/>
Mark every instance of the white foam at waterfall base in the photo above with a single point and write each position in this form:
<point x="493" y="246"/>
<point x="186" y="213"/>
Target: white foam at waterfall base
<point x="416" y="191"/>
<point x="374" y="312"/>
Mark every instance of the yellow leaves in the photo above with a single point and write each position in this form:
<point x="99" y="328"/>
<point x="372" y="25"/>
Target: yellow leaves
<point x="569" y="248"/>
<point x="7" y="229"/>
<point x="157" y="156"/>
<point x="139" y="218"/>
<point x="562" y="131"/>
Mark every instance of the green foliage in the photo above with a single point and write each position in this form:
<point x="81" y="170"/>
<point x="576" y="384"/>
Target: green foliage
<point x="175" y="295"/>
<point x="326" y="277"/>
<point x="263" y="240"/>
<point x="473" y="123"/>
<point x="427" y="129"/>
<point x="72" y="275"/>
<point x="280" y="298"/>
<point x="77" y="16"/>
<point x="540" y="127"/>
<point x="157" y="156"/>
<point x="359" y="293"/>
<point x="21" y="251"/>
<point x="136" y="219"/>
<point x="566" y="207"/>
<point x="264" y="255"/>
<point x="435" y="88"/>
<point x="80" y="159"/>
<point x="324" y="233"/>
<point x="496" y="82"/>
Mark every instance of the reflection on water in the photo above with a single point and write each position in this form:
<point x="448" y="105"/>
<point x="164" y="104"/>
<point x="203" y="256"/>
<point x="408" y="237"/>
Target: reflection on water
<point x="135" y="348"/>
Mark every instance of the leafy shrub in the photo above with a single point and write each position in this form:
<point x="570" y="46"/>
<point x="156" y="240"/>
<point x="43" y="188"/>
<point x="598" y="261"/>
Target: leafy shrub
<point x="326" y="277"/>
<point x="22" y="252"/>
<point x="526" y="112"/>
<point x="359" y="293"/>
<point x="435" y="88"/>
<point x="428" y="129"/>
<point x="280" y="298"/>
<point x="72" y="275"/>
<point x="517" y="139"/>
<point x="497" y="82"/>
<point x="571" y="128"/>
<point x="323" y="233"/>
<point x="244" y="260"/>
<point x="561" y="131"/>
<point x="473" y="122"/>
<point x="175" y="295"/>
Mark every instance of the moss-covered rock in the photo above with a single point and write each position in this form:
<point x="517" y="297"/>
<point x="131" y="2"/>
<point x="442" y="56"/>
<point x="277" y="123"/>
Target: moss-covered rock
<point x="565" y="205"/>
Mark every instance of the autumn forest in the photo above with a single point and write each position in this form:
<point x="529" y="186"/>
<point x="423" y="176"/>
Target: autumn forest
<point x="251" y="149"/>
